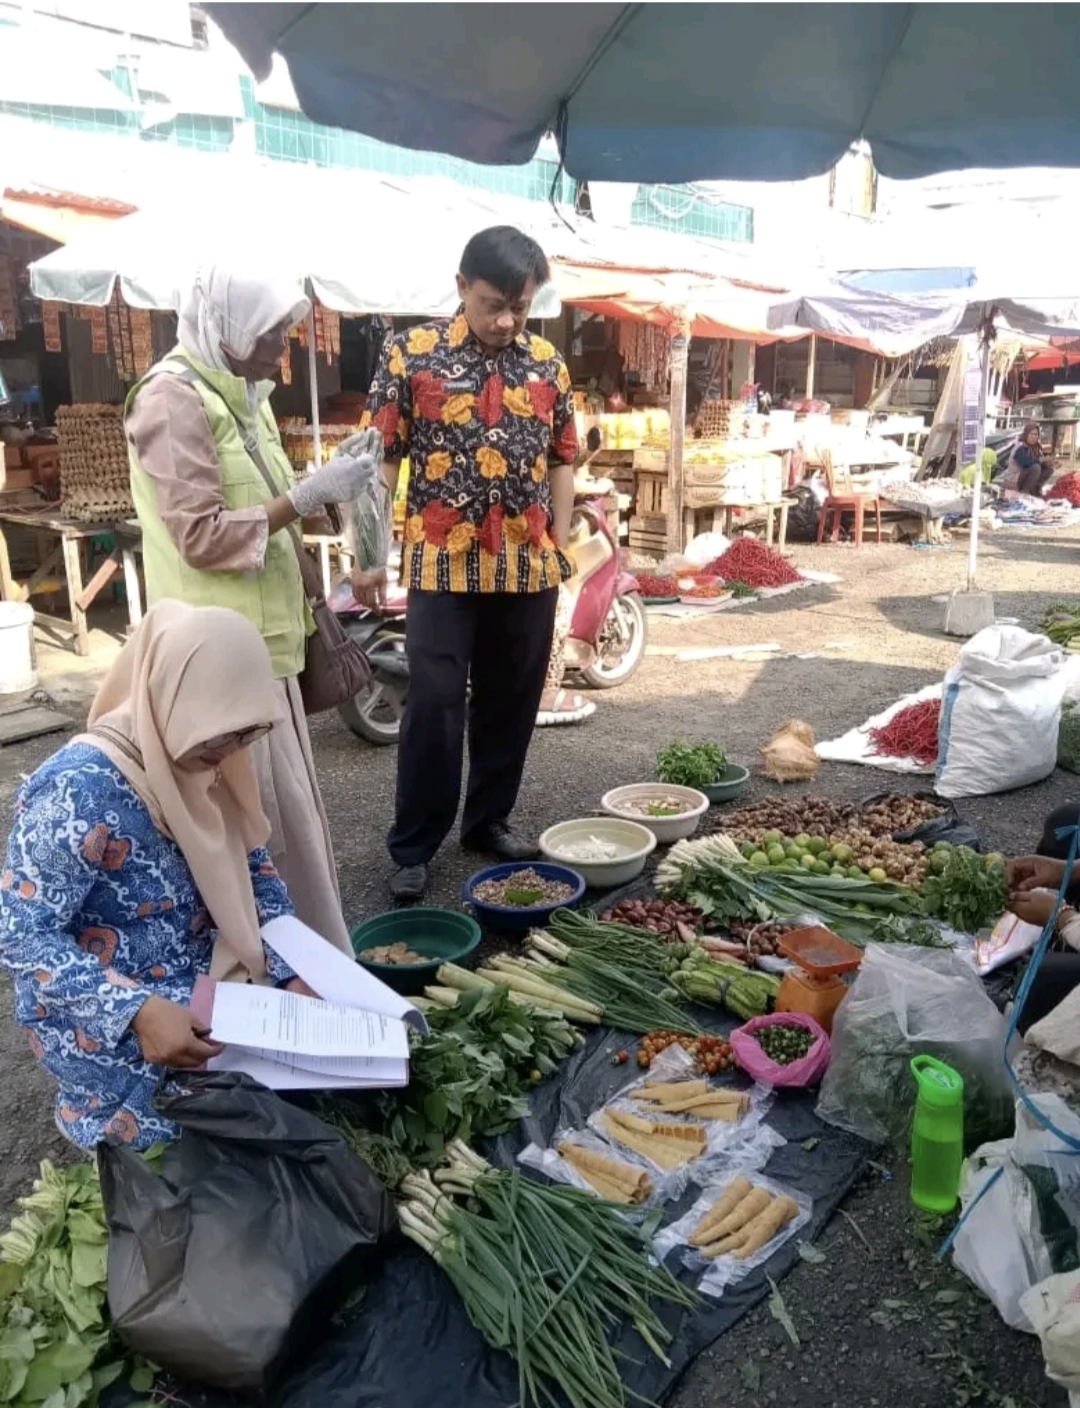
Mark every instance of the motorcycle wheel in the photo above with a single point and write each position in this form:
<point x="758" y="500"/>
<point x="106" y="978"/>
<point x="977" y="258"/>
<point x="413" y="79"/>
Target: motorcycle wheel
<point x="621" y="647"/>
<point x="375" y="714"/>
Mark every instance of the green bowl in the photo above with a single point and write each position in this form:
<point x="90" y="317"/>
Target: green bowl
<point x="729" y="785"/>
<point x="438" y="935"/>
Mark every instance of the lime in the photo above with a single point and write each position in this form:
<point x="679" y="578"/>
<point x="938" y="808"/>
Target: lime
<point x="878" y="875"/>
<point x="854" y="873"/>
<point x="821" y="867"/>
<point x="772" y="838"/>
<point x="747" y="848"/>
<point x="808" y="862"/>
<point x="843" y="853"/>
<point x="790" y="867"/>
<point x="803" y="840"/>
<point x="759" y="858"/>
<point x="816" y="845"/>
<point x="792" y="851"/>
<point x="839" y="872"/>
<point x="775" y="854"/>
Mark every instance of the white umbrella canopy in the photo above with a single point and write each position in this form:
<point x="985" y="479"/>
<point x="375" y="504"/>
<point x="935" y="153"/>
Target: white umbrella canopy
<point x="1048" y="309"/>
<point x="383" y="259"/>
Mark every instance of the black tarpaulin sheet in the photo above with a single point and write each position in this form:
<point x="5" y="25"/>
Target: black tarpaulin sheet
<point x="410" y="1343"/>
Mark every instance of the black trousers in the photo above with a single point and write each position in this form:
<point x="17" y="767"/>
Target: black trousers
<point x="499" y="642"/>
<point x="1033" y="480"/>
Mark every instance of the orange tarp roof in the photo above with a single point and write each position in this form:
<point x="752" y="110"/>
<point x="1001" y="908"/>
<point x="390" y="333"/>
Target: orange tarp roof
<point x="58" y="215"/>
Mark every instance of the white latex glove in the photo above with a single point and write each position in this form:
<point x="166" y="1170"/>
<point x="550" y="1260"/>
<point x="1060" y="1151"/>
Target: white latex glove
<point x="353" y="470"/>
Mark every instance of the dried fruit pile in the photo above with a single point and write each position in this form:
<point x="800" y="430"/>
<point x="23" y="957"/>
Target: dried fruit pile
<point x="754" y="563"/>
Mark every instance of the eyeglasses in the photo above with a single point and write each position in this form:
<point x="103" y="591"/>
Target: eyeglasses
<point x="240" y="738"/>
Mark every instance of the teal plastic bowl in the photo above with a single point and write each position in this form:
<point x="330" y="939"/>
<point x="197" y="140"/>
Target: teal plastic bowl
<point x="438" y="935"/>
<point x="728" y="785"/>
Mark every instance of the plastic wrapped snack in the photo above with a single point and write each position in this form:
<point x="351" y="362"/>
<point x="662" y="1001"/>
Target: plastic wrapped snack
<point x="369" y="526"/>
<point x="737" y="1223"/>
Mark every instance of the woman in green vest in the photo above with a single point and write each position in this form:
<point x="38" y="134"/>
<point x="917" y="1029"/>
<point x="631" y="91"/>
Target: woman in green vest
<point x="215" y="497"/>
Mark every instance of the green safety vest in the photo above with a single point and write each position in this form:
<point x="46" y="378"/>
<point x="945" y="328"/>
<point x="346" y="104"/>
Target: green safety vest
<point x="273" y="600"/>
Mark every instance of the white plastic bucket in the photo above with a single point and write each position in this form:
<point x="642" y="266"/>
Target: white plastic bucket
<point x="17" y="673"/>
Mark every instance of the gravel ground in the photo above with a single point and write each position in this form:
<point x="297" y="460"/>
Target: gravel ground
<point x="880" y="1325"/>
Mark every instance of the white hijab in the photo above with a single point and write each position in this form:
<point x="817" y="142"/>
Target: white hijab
<point x="227" y="312"/>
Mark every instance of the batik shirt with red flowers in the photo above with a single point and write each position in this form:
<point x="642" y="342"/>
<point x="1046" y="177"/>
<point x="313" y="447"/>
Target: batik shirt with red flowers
<point x="480" y="430"/>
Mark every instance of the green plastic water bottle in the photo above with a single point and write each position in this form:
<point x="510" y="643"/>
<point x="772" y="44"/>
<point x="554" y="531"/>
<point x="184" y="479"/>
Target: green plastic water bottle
<point x="937" y="1135"/>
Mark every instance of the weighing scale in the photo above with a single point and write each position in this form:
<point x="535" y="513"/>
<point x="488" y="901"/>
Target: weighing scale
<point x="816" y="986"/>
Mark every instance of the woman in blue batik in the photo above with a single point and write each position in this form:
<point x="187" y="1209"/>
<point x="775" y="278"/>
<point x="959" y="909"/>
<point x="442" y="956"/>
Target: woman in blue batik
<point x="137" y="862"/>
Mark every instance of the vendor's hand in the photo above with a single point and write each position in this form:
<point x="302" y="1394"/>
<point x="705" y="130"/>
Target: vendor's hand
<point x="171" y="1035"/>
<point x="1033" y="906"/>
<point x="1034" y="873"/>
<point x="369" y="588"/>
<point x="349" y="473"/>
<point x="301" y="988"/>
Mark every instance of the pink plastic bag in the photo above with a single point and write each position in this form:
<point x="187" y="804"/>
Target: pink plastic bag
<point x="751" y="1056"/>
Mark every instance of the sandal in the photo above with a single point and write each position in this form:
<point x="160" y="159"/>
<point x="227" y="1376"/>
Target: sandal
<point x="560" y="706"/>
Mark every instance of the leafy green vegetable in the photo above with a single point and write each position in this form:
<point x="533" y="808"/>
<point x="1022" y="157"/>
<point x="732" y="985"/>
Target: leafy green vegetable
<point x="1068" y="754"/>
<point x="683" y="766"/>
<point x="469" y="1080"/>
<point x="57" y="1349"/>
<point x="968" y="891"/>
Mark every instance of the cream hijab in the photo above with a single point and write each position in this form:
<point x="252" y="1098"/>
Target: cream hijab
<point x="188" y="675"/>
<point x="226" y="312"/>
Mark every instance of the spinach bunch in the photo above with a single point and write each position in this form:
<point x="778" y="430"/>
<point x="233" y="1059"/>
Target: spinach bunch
<point x="682" y="766"/>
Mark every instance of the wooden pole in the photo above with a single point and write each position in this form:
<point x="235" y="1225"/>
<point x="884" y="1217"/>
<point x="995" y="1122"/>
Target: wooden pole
<point x="680" y="347"/>
<point x="811" y="366"/>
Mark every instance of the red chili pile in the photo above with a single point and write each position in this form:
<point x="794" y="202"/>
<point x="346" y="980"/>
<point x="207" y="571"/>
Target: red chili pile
<point x="912" y="733"/>
<point x="755" y="564"/>
<point x="650" y="585"/>
<point x="1067" y="487"/>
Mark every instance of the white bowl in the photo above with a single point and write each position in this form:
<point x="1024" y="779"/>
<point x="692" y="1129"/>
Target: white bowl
<point x="637" y="840"/>
<point x="664" y="828"/>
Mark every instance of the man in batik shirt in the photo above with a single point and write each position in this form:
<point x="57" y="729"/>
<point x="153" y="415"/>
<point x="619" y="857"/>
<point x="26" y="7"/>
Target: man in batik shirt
<point x="483" y="409"/>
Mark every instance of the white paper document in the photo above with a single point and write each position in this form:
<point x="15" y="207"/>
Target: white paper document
<point x="272" y="1019"/>
<point x="335" y="976"/>
<point x="357" y="1038"/>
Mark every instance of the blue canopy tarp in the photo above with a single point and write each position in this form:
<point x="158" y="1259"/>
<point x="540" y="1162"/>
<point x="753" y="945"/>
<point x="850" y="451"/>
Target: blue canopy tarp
<point x="681" y="92"/>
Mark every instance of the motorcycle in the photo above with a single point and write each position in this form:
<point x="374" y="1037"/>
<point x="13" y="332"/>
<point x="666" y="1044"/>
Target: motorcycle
<point x="608" y="629"/>
<point x="608" y="625"/>
<point x="375" y="713"/>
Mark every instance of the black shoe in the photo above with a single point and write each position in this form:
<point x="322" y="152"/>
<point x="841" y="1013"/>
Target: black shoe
<point x="409" y="882"/>
<point x="502" y="841"/>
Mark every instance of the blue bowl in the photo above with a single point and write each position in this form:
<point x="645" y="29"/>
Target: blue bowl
<point x="509" y="916"/>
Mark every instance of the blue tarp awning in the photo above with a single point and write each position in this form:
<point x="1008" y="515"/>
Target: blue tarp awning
<point x="683" y="92"/>
<point x="906" y="280"/>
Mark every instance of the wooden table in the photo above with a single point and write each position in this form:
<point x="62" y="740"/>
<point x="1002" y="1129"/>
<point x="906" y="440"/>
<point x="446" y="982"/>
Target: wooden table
<point x="723" y="519"/>
<point x="67" y="550"/>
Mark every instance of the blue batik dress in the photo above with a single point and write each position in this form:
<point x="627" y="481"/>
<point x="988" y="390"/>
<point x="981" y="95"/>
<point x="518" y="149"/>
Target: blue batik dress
<point x="98" y="912"/>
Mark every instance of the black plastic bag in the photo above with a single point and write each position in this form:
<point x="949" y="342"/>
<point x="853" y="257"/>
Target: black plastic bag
<point x="803" y="515"/>
<point x="234" y="1256"/>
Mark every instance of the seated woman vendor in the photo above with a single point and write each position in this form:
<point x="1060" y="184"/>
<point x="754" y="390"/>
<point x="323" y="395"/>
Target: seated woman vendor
<point x="1034" y="882"/>
<point x="136" y="863"/>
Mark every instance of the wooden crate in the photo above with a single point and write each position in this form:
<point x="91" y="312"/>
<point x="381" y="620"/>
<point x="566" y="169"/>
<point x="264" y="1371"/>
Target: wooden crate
<point x="655" y="460"/>
<point x="648" y="535"/>
<point x="651" y="493"/>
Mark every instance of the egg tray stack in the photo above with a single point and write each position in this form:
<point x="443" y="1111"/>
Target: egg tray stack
<point x="720" y="420"/>
<point x="95" y="485"/>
